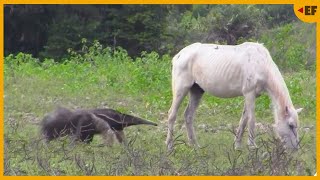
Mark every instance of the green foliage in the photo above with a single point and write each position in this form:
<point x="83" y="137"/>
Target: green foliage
<point x="277" y="15"/>
<point x="136" y="28"/>
<point x="47" y="31"/>
<point x="224" y="24"/>
<point x="65" y="33"/>
<point x="229" y="23"/>
<point x="131" y="27"/>
<point x="289" y="48"/>
<point x="25" y="28"/>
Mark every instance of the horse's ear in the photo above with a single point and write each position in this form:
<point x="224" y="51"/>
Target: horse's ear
<point x="299" y="110"/>
<point x="286" y="111"/>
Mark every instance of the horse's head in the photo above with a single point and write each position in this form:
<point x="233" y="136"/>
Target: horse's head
<point x="287" y="127"/>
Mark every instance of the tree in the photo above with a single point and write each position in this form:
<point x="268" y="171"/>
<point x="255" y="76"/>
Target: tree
<point x="25" y="28"/>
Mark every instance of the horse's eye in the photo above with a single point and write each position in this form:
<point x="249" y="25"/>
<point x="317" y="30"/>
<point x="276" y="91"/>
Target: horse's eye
<point x="291" y="126"/>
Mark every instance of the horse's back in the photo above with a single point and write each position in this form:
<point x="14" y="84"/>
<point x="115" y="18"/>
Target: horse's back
<point x="221" y="70"/>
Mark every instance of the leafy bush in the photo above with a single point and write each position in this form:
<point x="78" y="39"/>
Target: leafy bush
<point x="289" y="48"/>
<point x="277" y="15"/>
<point x="224" y="24"/>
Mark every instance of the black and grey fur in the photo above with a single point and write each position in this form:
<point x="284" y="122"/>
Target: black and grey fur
<point x="84" y="124"/>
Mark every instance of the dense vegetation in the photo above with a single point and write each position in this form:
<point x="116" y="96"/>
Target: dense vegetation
<point x="49" y="30"/>
<point x="120" y="57"/>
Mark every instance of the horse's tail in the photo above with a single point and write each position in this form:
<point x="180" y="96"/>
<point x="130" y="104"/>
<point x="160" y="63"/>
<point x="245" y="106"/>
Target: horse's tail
<point x="174" y="59"/>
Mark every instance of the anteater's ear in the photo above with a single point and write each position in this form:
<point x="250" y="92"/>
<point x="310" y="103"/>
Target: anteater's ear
<point x="299" y="110"/>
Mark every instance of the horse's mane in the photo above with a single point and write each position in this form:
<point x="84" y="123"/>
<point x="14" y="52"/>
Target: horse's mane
<point x="276" y="86"/>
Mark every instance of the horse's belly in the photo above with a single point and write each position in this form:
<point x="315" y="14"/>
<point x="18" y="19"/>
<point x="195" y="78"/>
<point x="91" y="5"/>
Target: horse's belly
<point x="221" y="77"/>
<point x="222" y="89"/>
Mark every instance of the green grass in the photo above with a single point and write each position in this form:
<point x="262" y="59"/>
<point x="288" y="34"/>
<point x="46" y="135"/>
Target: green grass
<point x="142" y="88"/>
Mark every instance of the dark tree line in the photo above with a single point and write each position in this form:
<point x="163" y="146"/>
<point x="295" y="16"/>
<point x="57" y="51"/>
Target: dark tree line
<point x="49" y="30"/>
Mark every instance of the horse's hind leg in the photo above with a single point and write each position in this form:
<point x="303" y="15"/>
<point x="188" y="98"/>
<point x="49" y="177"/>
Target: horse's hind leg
<point x="180" y="88"/>
<point x="195" y="96"/>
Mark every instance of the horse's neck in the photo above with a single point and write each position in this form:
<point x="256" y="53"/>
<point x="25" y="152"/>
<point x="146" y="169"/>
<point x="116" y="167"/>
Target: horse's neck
<point x="278" y="92"/>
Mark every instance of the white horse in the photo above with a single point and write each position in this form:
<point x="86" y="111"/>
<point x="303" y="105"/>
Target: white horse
<point x="229" y="71"/>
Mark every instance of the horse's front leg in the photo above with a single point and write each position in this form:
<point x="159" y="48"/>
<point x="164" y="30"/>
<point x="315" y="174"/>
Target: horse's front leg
<point x="250" y="107"/>
<point x="240" y="131"/>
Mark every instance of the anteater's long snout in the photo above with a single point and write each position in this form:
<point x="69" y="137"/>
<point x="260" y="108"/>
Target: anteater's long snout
<point x="115" y="118"/>
<point x="149" y="123"/>
<point x="138" y="121"/>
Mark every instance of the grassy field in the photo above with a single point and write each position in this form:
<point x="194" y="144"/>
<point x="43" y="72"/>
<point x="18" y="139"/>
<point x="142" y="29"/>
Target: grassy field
<point x="142" y="88"/>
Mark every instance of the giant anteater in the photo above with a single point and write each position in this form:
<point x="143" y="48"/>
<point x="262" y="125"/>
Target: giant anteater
<point x="84" y="124"/>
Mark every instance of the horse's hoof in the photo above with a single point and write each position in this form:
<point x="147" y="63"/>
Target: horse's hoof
<point x="194" y="145"/>
<point x="252" y="147"/>
<point x="169" y="146"/>
<point x="237" y="146"/>
<point x="169" y="149"/>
